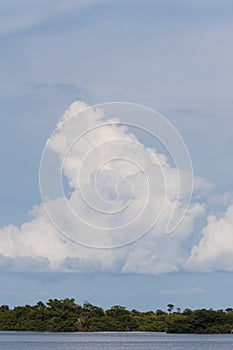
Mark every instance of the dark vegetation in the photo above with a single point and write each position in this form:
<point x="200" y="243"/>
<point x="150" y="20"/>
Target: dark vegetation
<point x="67" y="316"/>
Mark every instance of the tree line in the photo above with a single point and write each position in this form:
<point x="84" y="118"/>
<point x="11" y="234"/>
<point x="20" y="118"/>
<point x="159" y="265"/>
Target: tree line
<point x="66" y="315"/>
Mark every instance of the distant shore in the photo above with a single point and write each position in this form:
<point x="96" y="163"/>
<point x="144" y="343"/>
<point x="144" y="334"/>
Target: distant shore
<point x="67" y="316"/>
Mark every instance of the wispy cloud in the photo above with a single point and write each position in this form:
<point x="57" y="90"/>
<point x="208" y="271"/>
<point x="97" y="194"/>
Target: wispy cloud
<point x="182" y="291"/>
<point x="59" y="88"/>
<point x="17" y="16"/>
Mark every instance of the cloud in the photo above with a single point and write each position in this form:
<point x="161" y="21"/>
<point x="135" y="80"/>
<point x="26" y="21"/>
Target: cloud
<point x="119" y="185"/>
<point x="24" y="263"/>
<point x="201" y="2"/>
<point x="16" y="17"/>
<point x="214" y="252"/>
<point x="59" y="89"/>
<point x="183" y="291"/>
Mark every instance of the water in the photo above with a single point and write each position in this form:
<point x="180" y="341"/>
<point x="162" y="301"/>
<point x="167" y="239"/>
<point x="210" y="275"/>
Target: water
<point x="111" y="341"/>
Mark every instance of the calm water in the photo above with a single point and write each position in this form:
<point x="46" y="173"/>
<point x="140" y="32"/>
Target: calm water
<point x="111" y="341"/>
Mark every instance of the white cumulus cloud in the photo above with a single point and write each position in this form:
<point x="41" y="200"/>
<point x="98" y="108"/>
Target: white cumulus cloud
<point x="214" y="252"/>
<point x="108" y="204"/>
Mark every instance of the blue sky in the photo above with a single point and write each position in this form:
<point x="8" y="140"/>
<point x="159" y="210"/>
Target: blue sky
<point x="173" y="56"/>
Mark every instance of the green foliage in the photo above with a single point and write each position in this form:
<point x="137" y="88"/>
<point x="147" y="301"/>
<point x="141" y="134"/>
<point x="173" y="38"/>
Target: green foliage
<point x="67" y="316"/>
<point x="170" y="307"/>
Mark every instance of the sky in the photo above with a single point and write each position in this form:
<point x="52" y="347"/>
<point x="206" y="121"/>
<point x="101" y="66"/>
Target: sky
<point x="174" y="57"/>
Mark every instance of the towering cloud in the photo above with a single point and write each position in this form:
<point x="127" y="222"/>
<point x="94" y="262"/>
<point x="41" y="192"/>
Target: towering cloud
<point x="109" y="204"/>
